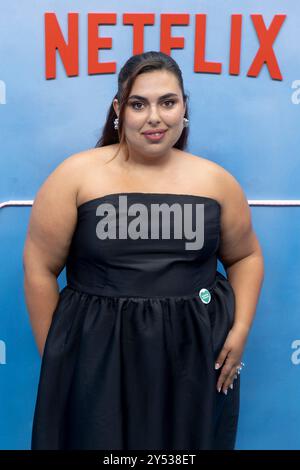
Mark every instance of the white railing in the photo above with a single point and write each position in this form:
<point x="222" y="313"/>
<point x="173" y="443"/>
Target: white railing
<point x="15" y="203"/>
<point x="251" y="202"/>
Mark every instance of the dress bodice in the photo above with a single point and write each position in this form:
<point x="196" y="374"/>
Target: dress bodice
<point x="145" y="244"/>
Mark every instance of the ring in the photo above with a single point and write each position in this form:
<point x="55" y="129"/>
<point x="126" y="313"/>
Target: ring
<point x="239" y="368"/>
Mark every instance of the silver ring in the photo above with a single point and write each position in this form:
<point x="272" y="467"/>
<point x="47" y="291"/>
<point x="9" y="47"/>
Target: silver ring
<point x="239" y="368"/>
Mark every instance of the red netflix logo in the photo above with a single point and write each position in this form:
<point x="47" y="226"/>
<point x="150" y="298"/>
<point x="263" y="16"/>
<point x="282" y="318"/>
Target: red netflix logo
<point x="69" y="48"/>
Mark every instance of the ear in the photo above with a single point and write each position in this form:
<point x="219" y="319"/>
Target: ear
<point x="116" y="106"/>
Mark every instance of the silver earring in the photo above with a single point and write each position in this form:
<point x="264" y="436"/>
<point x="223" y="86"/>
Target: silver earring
<point x="185" y="122"/>
<point x="116" y="123"/>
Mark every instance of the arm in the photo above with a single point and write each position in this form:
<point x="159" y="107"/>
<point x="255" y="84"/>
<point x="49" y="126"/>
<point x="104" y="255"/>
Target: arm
<point x="52" y="222"/>
<point x="246" y="277"/>
<point x="240" y="254"/>
<point x="242" y="257"/>
<point x="41" y="293"/>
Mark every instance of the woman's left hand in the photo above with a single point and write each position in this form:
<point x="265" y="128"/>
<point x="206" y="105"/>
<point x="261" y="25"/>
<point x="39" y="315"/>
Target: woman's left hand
<point x="230" y="356"/>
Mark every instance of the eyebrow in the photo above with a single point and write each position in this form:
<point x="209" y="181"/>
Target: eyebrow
<point x="167" y="95"/>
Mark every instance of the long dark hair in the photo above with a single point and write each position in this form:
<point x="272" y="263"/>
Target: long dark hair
<point x="134" y="66"/>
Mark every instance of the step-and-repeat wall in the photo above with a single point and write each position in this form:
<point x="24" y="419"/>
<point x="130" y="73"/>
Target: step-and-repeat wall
<point x="240" y="63"/>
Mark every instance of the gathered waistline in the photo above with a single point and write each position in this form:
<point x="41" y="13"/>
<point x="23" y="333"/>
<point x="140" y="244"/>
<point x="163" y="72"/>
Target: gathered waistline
<point x="86" y="291"/>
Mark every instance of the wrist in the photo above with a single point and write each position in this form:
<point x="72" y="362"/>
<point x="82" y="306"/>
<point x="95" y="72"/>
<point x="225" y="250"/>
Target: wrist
<point x="241" y="327"/>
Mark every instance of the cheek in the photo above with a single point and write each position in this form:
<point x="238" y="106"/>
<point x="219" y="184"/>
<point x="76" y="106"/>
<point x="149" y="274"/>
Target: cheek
<point x="173" y="118"/>
<point x="133" y="120"/>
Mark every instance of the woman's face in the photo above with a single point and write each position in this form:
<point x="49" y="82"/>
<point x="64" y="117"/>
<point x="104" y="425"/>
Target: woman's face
<point x="155" y="103"/>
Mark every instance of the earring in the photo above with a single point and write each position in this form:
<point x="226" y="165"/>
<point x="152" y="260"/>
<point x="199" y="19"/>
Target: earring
<point x="185" y="122"/>
<point x="116" y="123"/>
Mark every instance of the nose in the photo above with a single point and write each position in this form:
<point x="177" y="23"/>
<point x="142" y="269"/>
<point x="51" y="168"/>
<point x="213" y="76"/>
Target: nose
<point x="153" y="115"/>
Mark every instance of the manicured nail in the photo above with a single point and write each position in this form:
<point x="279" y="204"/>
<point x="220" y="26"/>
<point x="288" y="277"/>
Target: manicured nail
<point x="217" y="365"/>
<point x="225" y="391"/>
<point x="231" y="386"/>
<point x="219" y="389"/>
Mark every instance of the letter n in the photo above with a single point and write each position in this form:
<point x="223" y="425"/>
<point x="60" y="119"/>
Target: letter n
<point x="54" y="40"/>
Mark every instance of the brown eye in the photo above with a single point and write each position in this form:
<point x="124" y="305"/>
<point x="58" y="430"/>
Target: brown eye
<point x="135" y="103"/>
<point x="169" y="101"/>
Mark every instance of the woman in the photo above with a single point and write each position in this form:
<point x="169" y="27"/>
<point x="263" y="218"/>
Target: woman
<point x="142" y="348"/>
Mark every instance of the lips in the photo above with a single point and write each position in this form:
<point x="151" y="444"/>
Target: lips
<point x="156" y="131"/>
<point x="155" y="136"/>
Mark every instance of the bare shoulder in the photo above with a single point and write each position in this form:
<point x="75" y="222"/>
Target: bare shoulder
<point x="228" y="189"/>
<point x="213" y="179"/>
<point x="81" y="161"/>
<point x="87" y="159"/>
<point x="71" y="172"/>
<point x="238" y="238"/>
<point x="203" y="162"/>
<point x="53" y="216"/>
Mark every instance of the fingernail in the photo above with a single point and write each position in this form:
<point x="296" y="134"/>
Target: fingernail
<point x="231" y="386"/>
<point x="217" y="365"/>
<point x="225" y="391"/>
<point x="219" y="389"/>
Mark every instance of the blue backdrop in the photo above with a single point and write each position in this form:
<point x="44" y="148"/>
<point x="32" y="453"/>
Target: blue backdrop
<point x="247" y="125"/>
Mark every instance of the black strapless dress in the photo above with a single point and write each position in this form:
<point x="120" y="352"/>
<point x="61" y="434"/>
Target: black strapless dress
<point x="129" y="358"/>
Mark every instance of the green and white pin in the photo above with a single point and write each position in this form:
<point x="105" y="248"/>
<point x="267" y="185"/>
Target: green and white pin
<point x="205" y="296"/>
